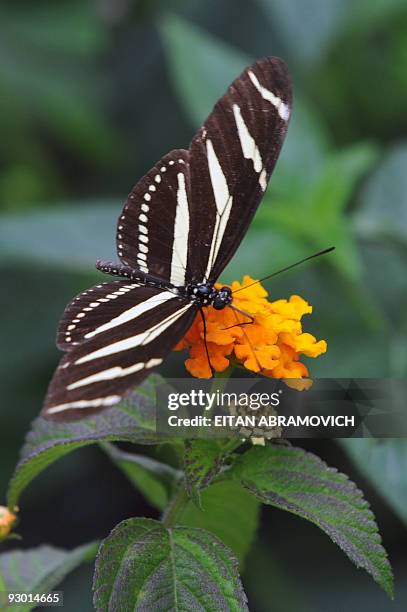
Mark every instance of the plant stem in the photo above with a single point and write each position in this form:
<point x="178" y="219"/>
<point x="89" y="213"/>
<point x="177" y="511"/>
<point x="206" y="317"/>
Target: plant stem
<point x="219" y="382"/>
<point x="231" y="445"/>
<point x="175" y="507"/>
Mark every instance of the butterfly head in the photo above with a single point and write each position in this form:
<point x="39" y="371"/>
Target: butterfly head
<point x="205" y="294"/>
<point x="222" y="298"/>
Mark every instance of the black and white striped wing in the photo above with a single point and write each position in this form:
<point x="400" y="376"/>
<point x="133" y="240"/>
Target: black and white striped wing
<point x="115" y="335"/>
<point x="231" y="159"/>
<point x="181" y="223"/>
<point x="152" y="231"/>
<point x="186" y="217"/>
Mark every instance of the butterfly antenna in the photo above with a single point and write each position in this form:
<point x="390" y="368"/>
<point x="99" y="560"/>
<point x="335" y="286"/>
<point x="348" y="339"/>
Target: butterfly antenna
<point x="287" y="268"/>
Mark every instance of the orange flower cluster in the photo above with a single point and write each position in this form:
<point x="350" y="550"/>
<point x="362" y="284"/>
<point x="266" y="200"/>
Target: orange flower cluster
<point x="7" y="520"/>
<point x="271" y="345"/>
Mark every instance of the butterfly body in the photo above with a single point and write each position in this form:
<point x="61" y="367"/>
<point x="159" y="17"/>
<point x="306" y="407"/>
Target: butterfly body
<point x="179" y="228"/>
<point x="205" y="294"/>
<point x="199" y="294"/>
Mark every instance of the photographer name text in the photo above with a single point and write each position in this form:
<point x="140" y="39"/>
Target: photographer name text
<point x="339" y="420"/>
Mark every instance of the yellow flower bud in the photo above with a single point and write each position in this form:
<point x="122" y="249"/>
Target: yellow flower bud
<point x="7" y="520"/>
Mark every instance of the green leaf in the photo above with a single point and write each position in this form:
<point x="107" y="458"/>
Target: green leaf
<point x="383" y="462"/>
<point x="203" y="459"/>
<point x="144" y="566"/>
<point x="79" y="33"/>
<point x="343" y="170"/>
<point x="318" y="25"/>
<point x="201" y="75"/>
<point x="58" y="76"/>
<point x="132" y="420"/>
<point x="368" y="17"/>
<point x="299" y="482"/>
<point x="304" y="151"/>
<point x="325" y="198"/>
<point x="39" y="570"/>
<point x="60" y="237"/>
<point x="382" y="212"/>
<point x="154" y="479"/>
<point x="314" y="26"/>
<point x="227" y="511"/>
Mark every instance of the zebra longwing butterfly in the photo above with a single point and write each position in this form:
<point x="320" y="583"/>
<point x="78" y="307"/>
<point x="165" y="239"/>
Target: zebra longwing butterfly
<point x="179" y="228"/>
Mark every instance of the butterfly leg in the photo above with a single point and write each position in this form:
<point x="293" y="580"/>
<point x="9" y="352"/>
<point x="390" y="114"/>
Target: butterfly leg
<point x="245" y="314"/>
<point x="205" y="342"/>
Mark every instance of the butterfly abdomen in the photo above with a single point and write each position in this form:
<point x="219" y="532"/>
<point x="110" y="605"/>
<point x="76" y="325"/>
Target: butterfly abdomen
<point x="133" y="274"/>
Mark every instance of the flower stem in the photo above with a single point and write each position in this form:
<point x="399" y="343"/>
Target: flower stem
<point x="176" y="506"/>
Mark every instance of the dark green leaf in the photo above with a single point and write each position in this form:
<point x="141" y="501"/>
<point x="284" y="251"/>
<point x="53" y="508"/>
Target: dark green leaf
<point x="314" y="25"/>
<point x="341" y="174"/>
<point x="39" y="570"/>
<point x="202" y="461"/>
<point x="366" y="16"/>
<point x="299" y="482"/>
<point x="383" y="462"/>
<point x="144" y="566"/>
<point x="383" y="211"/>
<point x="57" y="74"/>
<point x="132" y="420"/>
<point x="229" y="512"/>
<point x="325" y="198"/>
<point x="304" y="151"/>
<point x="317" y="25"/>
<point x="154" y="479"/>
<point x="79" y="33"/>
<point x="201" y="75"/>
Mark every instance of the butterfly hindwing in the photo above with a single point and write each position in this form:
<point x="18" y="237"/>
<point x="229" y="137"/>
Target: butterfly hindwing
<point x="118" y="353"/>
<point x="95" y="307"/>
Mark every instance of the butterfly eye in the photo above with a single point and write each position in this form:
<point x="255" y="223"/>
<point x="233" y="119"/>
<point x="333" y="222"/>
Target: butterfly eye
<point x="203" y="290"/>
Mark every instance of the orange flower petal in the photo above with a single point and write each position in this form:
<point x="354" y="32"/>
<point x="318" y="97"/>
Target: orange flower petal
<point x="198" y="365"/>
<point x="269" y="340"/>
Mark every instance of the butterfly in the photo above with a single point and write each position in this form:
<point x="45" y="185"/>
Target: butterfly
<point x="180" y="226"/>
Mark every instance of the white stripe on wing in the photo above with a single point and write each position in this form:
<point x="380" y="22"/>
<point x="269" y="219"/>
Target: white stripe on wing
<point x="223" y="201"/>
<point x="282" y="108"/>
<point x="140" y="339"/>
<point x="111" y="373"/>
<point x="181" y="232"/>
<point x="132" y="313"/>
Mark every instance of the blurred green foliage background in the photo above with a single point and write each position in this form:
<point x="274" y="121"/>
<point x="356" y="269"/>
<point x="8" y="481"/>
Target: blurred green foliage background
<point x="92" y="94"/>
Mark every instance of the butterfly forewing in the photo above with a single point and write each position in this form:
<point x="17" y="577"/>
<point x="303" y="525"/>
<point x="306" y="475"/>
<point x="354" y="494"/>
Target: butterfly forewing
<point x="231" y="160"/>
